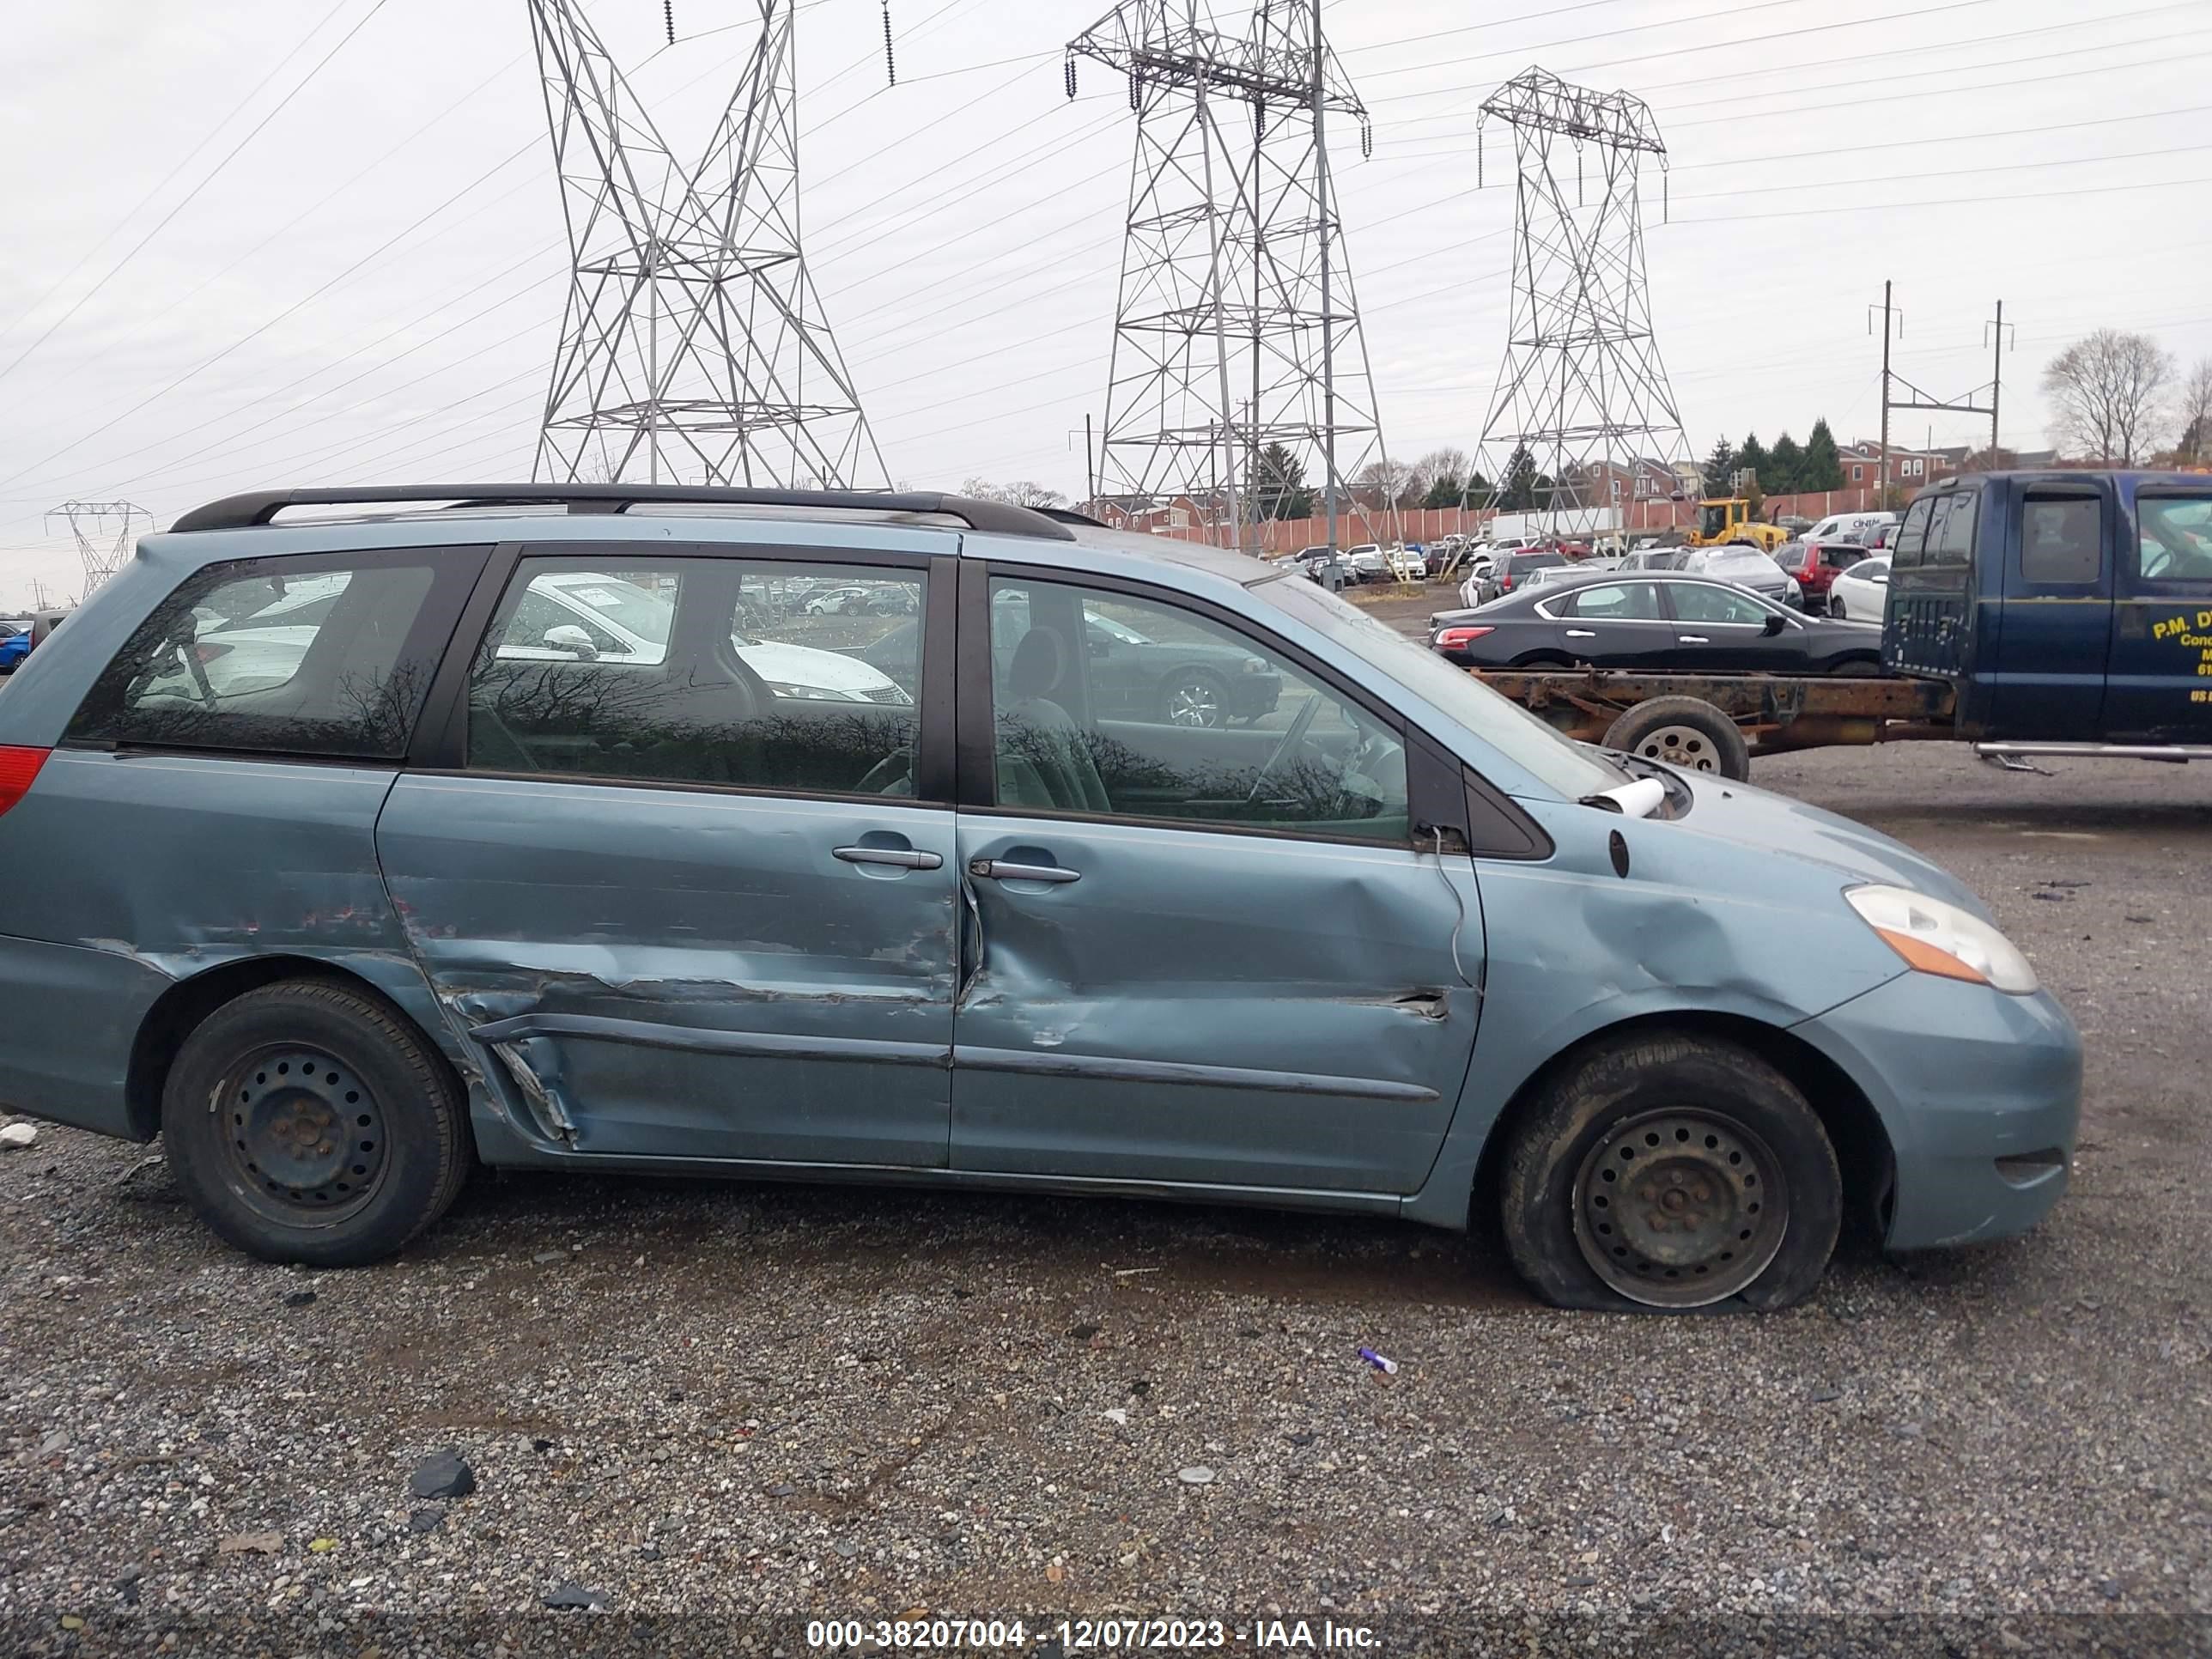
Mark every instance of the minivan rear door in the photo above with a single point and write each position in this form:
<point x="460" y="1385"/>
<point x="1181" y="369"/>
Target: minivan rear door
<point x="689" y="888"/>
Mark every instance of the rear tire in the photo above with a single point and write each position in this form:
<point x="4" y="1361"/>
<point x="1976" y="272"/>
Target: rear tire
<point x="1687" y="733"/>
<point x="310" y="1122"/>
<point x="1665" y="1173"/>
<point x="1858" y="668"/>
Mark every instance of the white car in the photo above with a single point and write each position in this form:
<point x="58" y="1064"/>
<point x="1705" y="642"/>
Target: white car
<point x="1747" y="566"/>
<point x="1861" y="593"/>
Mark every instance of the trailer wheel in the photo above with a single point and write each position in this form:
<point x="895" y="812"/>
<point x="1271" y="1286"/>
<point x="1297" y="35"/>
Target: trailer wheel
<point x="1687" y="733"/>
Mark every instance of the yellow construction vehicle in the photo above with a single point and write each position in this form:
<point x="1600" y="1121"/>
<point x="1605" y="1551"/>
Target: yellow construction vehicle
<point x="1729" y="520"/>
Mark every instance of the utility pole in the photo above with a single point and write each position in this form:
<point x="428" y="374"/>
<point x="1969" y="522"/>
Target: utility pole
<point x="1996" y="374"/>
<point x="1882" y="498"/>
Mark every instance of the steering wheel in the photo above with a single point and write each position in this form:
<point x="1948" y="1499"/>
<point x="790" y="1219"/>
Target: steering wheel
<point x="1300" y="723"/>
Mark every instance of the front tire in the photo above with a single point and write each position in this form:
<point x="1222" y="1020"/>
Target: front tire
<point x="310" y="1122"/>
<point x="1665" y="1173"/>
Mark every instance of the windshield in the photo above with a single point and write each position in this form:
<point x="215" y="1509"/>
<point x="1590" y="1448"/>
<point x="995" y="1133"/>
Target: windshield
<point x="1713" y="518"/>
<point x="644" y="616"/>
<point x="1574" y="771"/>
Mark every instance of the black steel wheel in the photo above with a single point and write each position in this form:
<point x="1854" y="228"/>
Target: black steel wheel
<point x="1668" y="1172"/>
<point x="310" y="1121"/>
<point x="1677" y="1208"/>
<point x="306" y="1141"/>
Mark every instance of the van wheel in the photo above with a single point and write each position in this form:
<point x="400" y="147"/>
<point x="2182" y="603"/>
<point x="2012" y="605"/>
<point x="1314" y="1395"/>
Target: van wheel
<point x="1687" y="733"/>
<point x="309" y="1122"/>
<point x="1667" y="1173"/>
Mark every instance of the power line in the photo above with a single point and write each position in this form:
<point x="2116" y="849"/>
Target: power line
<point x="192" y="194"/>
<point x="184" y="162"/>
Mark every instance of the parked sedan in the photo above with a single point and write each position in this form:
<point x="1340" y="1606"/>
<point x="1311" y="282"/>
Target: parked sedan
<point x="1668" y="623"/>
<point x="14" y="645"/>
<point x="1747" y="566"/>
<point x="1861" y="594"/>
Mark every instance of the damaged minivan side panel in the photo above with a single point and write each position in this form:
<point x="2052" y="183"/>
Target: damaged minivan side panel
<point x="670" y="974"/>
<point x="1256" y="1012"/>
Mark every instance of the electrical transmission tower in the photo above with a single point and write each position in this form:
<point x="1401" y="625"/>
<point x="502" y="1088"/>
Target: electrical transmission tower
<point x="1238" y="330"/>
<point x="693" y="349"/>
<point x="1582" y="395"/>
<point x="88" y="522"/>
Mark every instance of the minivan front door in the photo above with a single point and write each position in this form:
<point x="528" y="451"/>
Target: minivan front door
<point x="677" y="889"/>
<point x="1198" y="955"/>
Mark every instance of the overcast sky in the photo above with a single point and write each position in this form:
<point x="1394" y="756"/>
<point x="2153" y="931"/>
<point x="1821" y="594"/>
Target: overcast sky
<point x="292" y="322"/>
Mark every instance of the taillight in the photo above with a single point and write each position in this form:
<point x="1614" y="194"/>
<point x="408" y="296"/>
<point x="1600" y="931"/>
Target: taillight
<point x="18" y="767"/>
<point x="1505" y="584"/>
<point x="1452" y="636"/>
<point x="208" y="650"/>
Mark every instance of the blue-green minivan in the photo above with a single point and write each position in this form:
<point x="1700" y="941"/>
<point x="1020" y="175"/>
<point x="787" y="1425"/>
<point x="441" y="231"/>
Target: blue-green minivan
<point x="353" y="837"/>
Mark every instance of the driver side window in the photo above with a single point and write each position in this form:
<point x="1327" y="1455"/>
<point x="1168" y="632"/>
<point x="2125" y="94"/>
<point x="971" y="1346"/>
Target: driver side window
<point x="1115" y="706"/>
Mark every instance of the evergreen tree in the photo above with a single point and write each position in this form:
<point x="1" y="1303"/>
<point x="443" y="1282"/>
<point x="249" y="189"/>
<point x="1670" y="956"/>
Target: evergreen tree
<point x="1719" y="465"/>
<point x="1751" y="456"/>
<point x="1787" y="461"/>
<point x="1518" y="494"/>
<point x="1824" y="467"/>
<point x="1281" y="485"/>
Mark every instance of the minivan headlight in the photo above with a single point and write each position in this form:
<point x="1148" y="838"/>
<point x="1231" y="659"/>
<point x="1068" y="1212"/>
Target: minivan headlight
<point x="1940" y="938"/>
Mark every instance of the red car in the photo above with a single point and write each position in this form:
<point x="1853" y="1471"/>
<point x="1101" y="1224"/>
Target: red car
<point x="1815" y="564"/>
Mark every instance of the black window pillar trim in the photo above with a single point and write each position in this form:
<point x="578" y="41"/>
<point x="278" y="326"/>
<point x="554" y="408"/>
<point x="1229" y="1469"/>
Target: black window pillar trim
<point x="975" y="766"/>
<point x="441" y="735"/>
<point x="937" y="764"/>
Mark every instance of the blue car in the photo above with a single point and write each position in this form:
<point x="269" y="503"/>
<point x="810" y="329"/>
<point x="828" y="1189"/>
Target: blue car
<point x="345" y="855"/>
<point x="14" y="645"/>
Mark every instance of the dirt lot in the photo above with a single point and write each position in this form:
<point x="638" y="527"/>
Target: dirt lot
<point x="727" y="1409"/>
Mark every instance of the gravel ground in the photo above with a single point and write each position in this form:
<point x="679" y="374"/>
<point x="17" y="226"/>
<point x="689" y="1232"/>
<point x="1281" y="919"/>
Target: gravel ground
<point x="727" y="1409"/>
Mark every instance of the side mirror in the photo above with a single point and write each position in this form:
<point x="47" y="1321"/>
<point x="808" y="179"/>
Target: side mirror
<point x="1774" y="624"/>
<point x="572" y="639"/>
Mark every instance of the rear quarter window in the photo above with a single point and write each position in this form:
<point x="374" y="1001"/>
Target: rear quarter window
<point x="329" y="656"/>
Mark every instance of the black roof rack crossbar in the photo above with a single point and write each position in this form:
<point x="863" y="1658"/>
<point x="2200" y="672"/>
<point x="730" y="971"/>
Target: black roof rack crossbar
<point x="261" y="507"/>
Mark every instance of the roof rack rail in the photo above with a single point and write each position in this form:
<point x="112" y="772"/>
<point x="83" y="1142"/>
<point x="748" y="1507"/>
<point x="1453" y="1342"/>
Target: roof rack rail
<point x="261" y="507"/>
<point x="1072" y="515"/>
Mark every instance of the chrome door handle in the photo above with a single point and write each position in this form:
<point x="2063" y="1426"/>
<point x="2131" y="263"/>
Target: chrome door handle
<point x="1691" y="639"/>
<point x="1581" y="634"/>
<point x="998" y="869"/>
<point x="902" y="858"/>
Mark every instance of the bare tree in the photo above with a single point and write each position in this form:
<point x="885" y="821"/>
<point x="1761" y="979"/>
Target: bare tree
<point x="1384" y="484"/>
<point x="1439" y="465"/>
<point x="2195" y="444"/>
<point x="2104" y="394"/>
<point x="1020" y="492"/>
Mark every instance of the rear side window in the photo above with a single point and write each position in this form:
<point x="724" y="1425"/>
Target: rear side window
<point x="328" y="656"/>
<point x="2061" y="538"/>
<point x="1912" y="535"/>
<point x="792" y="677"/>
